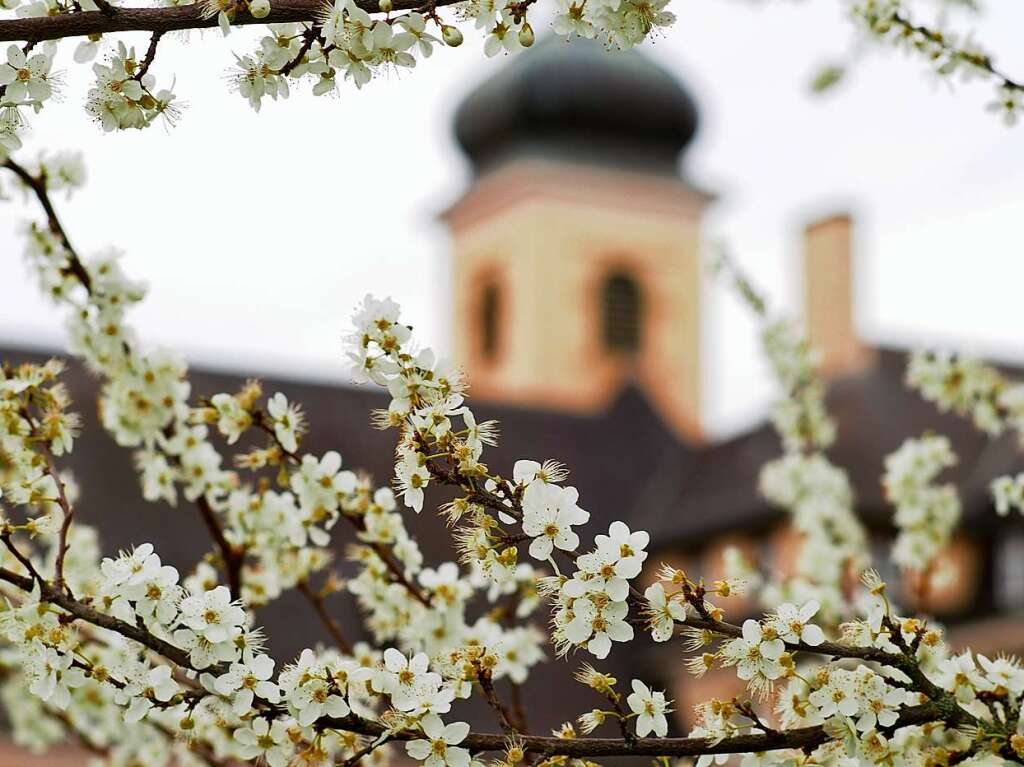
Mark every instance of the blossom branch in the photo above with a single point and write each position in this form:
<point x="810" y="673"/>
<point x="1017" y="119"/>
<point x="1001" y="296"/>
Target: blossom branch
<point x="169" y="19"/>
<point x="591" y="748"/>
<point x="38" y="186"/>
<point x="976" y="59"/>
<point x="832" y="649"/>
<point x="800" y="738"/>
<point x="264" y="423"/>
<point x="232" y="557"/>
<point x="82" y="611"/>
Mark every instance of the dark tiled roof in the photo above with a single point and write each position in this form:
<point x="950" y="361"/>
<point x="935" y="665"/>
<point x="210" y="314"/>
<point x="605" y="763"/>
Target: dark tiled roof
<point x="875" y="412"/>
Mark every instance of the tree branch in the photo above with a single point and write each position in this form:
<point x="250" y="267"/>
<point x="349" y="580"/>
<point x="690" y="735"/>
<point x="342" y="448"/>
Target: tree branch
<point x="802" y="738"/>
<point x="82" y="611"/>
<point x="591" y="748"/>
<point x="114" y="19"/>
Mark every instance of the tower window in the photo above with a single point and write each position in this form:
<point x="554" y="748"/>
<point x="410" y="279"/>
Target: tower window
<point x="490" y="316"/>
<point x="621" y="306"/>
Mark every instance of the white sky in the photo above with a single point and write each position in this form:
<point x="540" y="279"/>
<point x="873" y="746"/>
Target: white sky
<point x="257" y="233"/>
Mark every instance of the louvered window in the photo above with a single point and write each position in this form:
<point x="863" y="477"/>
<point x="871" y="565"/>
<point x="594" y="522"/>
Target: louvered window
<point x="490" y="317"/>
<point x="621" y="304"/>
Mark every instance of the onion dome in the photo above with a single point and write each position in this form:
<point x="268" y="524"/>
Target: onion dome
<point x="579" y="102"/>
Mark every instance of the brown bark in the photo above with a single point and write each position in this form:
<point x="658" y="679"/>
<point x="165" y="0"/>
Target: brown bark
<point x="115" y="19"/>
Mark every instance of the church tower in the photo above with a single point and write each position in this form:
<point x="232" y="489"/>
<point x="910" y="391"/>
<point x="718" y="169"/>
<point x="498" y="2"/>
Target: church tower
<point x="576" y="264"/>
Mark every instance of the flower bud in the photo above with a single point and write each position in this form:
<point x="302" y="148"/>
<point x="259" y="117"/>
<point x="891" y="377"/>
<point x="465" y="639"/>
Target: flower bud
<point x="385" y="5"/>
<point x="451" y="36"/>
<point x="526" y="36"/>
<point x="259" y="8"/>
<point x="1017" y="744"/>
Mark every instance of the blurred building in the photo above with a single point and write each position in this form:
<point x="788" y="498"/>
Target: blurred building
<point x="577" y="289"/>
<point x="577" y="278"/>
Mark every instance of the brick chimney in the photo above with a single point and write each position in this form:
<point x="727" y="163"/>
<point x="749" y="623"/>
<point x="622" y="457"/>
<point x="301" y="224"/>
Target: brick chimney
<point x="828" y="297"/>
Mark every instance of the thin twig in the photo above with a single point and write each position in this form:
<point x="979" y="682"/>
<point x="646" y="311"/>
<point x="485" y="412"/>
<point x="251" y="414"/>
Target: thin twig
<point x="65" y="527"/>
<point x="486" y="680"/>
<point x="806" y="738"/>
<point x="25" y="561"/>
<point x="38" y="186"/>
<point x="232" y="557"/>
<point x="317" y="601"/>
<point x="147" y="62"/>
<point x="311" y="35"/>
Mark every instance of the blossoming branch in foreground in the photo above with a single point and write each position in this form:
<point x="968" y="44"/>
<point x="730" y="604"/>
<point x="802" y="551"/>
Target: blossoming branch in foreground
<point x="125" y="654"/>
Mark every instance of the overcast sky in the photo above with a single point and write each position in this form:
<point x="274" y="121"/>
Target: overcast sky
<point x="257" y="233"/>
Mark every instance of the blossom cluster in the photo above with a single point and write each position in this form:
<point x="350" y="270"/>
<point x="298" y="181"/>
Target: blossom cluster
<point x="36" y="425"/>
<point x="926" y="513"/>
<point x="972" y="389"/>
<point x="591" y="607"/>
<point x="343" y="42"/>
<point x="799" y="416"/>
<point x="428" y="406"/>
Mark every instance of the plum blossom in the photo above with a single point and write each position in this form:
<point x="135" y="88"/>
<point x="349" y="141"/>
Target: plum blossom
<point x="267" y="740"/>
<point x="248" y="679"/>
<point x="664" y="612"/>
<point x="213" y="615"/>
<point x="288" y="421"/>
<point x="412" y="476"/>
<point x="549" y="512"/>
<point x="650" y="708"/>
<point x="792" y="624"/>
<point x="440" y="747"/>
<point x="26" y="77"/>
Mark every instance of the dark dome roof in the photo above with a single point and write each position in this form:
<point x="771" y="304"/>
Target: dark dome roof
<point x="578" y="101"/>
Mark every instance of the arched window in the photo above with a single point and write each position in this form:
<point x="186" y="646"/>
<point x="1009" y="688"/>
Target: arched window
<point x="621" y="307"/>
<point x="490" y="317"/>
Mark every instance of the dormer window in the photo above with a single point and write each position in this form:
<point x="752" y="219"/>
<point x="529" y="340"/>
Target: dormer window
<point x="490" y="319"/>
<point x="621" y="307"/>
